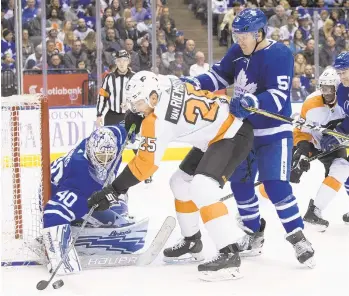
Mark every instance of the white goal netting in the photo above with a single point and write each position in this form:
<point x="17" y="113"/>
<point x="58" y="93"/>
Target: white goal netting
<point x="21" y="180"/>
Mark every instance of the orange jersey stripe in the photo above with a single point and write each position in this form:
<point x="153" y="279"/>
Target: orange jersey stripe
<point x="185" y="207"/>
<point x="142" y="165"/>
<point x="213" y="211"/>
<point x="298" y="136"/>
<point x="311" y="103"/>
<point x="333" y="183"/>
<point x="223" y="129"/>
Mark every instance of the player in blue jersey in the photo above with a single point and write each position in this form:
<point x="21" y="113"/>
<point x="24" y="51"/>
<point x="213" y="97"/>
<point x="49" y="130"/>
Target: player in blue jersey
<point x="74" y="178"/>
<point x="341" y="64"/>
<point x="261" y="71"/>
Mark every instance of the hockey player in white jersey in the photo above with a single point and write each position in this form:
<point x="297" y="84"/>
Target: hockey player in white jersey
<point x="321" y="107"/>
<point x="74" y="177"/>
<point x="341" y="64"/>
<point x="175" y="111"/>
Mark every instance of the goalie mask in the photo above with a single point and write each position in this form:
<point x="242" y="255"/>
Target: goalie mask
<point x="101" y="150"/>
<point x="328" y="84"/>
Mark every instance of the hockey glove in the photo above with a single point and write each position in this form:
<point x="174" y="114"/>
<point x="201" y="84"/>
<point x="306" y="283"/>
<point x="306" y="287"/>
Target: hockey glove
<point x="104" y="198"/>
<point x="191" y="80"/>
<point x="300" y="161"/>
<point x="238" y="105"/>
<point x="328" y="142"/>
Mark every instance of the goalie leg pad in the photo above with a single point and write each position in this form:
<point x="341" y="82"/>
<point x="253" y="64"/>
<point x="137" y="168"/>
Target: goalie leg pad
<point x="111" y="240"/>
<point x="57" y="240"/>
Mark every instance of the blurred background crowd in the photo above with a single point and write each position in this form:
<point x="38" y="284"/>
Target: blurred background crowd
<point x="316" y="31"/>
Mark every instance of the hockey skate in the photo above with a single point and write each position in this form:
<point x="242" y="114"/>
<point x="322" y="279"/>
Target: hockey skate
<point x="304" y="250"/>
<point x="188" y="249"/>
<point x="251" y="244"/>
<point x="225" y="266"/>
<point x="313" y="217"/>
<point x="346" y="218"/>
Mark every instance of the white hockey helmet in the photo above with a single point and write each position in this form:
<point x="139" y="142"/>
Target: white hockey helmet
<point x="140" y="87"/>
<point x="328" y="84"/>
<point x="101" y="147"/>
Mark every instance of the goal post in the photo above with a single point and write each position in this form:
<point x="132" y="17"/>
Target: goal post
<point x="25" y="177"/>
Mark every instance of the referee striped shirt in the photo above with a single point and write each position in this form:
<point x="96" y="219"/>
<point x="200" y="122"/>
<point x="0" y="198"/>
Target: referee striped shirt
<point x="111" y="94"/>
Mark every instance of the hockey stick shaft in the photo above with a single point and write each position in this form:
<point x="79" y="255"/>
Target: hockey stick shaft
<point x="298" y="122"/>
<point x="131" y="130"/>
<point x="320" y="155"/>
<point x="43" y="284"/>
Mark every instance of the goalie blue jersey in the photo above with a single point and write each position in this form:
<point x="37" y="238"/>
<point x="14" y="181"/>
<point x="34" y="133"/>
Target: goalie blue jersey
<point x="343" y="101"/>
<point x="268" y="75"/>
<point x="74" y="179"/>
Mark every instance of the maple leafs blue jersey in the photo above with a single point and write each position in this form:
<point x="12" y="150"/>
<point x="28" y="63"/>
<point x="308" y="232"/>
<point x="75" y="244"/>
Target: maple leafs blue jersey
<point x="268" y="75"/>
<point x="343" y="101"/>
<point x="74" y="179"/>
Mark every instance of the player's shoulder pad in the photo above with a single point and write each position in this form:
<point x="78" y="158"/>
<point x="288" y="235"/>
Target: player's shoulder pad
<point x="280" y="50"/>
<point x="234" y="52"/>
<point x="312" y="103"/>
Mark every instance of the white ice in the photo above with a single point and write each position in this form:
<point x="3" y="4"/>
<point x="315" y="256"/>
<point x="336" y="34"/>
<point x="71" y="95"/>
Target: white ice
<point x="275" y="273"/>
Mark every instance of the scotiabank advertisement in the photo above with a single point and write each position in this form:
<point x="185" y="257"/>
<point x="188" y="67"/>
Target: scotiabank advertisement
<point x="62" y="89"/>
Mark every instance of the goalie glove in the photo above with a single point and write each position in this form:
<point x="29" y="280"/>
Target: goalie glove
<point x="104" y="198"/>
<point x="300" y="161"/>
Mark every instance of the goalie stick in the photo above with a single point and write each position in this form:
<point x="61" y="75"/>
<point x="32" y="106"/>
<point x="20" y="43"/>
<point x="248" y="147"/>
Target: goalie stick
<point x="310" y="160"/>
<point x="299" y="123"/>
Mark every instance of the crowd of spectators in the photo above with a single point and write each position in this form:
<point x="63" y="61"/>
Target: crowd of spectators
<point x="71" y="37"/>
<point x="292" y="22"/>
<point x="127" y="24"/>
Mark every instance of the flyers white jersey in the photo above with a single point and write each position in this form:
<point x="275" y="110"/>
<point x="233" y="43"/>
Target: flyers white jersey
<point x="315" y="110"/>
<point x="182" y="114"/>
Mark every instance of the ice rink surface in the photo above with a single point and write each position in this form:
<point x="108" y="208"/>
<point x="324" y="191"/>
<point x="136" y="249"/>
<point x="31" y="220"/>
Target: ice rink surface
<point x="275" y="273"/>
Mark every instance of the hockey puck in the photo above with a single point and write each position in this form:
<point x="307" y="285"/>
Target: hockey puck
<point x="58" y="284"/>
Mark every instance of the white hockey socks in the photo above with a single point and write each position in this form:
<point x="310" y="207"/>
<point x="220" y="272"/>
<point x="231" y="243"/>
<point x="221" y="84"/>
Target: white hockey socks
<point x="57" y="240"/>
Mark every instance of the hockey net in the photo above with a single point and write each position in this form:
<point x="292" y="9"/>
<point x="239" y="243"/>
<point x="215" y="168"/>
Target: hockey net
<point x="25" y="177"/>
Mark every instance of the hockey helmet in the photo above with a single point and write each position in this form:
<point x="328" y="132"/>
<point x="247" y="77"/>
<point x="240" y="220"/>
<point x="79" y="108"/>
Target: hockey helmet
<point x="342" y="61"/>
<point x="250" y="21"/>
<point x="122" y="60"/>
<point x="328" y="84"/>
<point x="139" y="88"/>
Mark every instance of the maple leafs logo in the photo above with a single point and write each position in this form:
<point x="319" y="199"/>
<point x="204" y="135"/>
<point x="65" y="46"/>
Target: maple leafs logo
<point x="241" y="85"/>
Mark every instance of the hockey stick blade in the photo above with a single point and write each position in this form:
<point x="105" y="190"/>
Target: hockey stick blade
<point x="299" y="123"/>
<point x="145" y="258"/>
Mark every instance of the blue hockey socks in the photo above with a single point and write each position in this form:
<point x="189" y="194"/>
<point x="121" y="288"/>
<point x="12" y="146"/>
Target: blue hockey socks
<point x="247" y="204"/>
<point x="280" y="194"/>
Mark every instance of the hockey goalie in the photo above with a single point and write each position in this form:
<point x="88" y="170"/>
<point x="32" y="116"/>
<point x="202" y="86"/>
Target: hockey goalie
<point x="74" y="177"/>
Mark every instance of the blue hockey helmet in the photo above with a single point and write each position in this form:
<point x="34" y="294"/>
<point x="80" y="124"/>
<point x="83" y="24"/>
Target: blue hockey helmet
<point x="342" y="61"/>
<point x="250" y="20"/>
